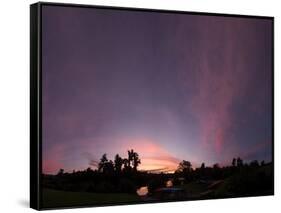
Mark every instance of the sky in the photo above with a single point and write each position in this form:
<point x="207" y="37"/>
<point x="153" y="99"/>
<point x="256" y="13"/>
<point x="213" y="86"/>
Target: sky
<point x="170" y="86"/>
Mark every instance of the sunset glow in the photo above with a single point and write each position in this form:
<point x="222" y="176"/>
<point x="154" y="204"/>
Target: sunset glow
<point x="169" y="87"/>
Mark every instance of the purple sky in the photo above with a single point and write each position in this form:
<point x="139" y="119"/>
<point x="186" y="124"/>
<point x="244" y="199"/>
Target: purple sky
<point x="170" y="86"/>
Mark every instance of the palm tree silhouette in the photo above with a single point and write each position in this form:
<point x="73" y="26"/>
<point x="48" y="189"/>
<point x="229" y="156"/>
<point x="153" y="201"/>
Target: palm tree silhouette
<point x="136" y="160"/>
<point x="130" y="157"/>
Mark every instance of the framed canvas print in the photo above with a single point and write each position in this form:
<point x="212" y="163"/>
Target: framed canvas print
<point x="132" y="106"/>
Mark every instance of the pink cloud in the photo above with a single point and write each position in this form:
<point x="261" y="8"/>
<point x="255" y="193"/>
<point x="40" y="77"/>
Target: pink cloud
<point x="212" y="105"/>
<point x="51" y="166"/>
<point x="220" y="70"/>
<point x="220" y="82"/>
<point x="52" y="159"/>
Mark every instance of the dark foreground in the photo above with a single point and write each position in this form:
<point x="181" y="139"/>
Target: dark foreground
<point x="59" y="191"/>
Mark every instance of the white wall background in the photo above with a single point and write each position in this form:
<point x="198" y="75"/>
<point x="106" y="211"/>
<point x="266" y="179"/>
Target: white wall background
<point x="14" y="105"/>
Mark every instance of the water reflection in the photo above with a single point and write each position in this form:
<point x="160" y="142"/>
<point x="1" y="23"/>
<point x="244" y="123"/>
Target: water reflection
<point x="169" y="183"/>
<point x="142" y="191"/>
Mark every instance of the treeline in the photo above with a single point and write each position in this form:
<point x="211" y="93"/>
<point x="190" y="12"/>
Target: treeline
<point x="122" y="175"/>
<point x="118" y="175"/>
<point x="90" y="180"/>
<point x="216" y="171"/>
<point x="238" y="179"/>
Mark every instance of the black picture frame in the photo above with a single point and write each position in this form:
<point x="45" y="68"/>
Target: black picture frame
<point x="36" y="92"/>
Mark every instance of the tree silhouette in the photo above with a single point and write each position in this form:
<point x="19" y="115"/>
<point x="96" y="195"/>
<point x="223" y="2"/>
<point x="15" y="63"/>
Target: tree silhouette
<point x="102" y="163"/>
<point x="60" y="172"/>
<point x="136" y="160"/>
<point x="108" y="167"/>
<point x="202" y="166"/>
<point x="184" y="166"/>
<point x="239" y="162"/>
<point x="89" y="170"/>
<point x="130" y="157"/>
<point x="254" y="163"/>
<point x="132" y="162"/>
<point x="126" y="165"/>
<point x="216" y="166"/>
<point x="118" y="162"/>
<point x="234" y="162"/>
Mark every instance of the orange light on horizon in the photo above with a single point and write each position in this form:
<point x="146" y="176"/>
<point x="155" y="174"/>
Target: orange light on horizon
<point x="157" y="165"/>
<point x="154" y="157"/>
